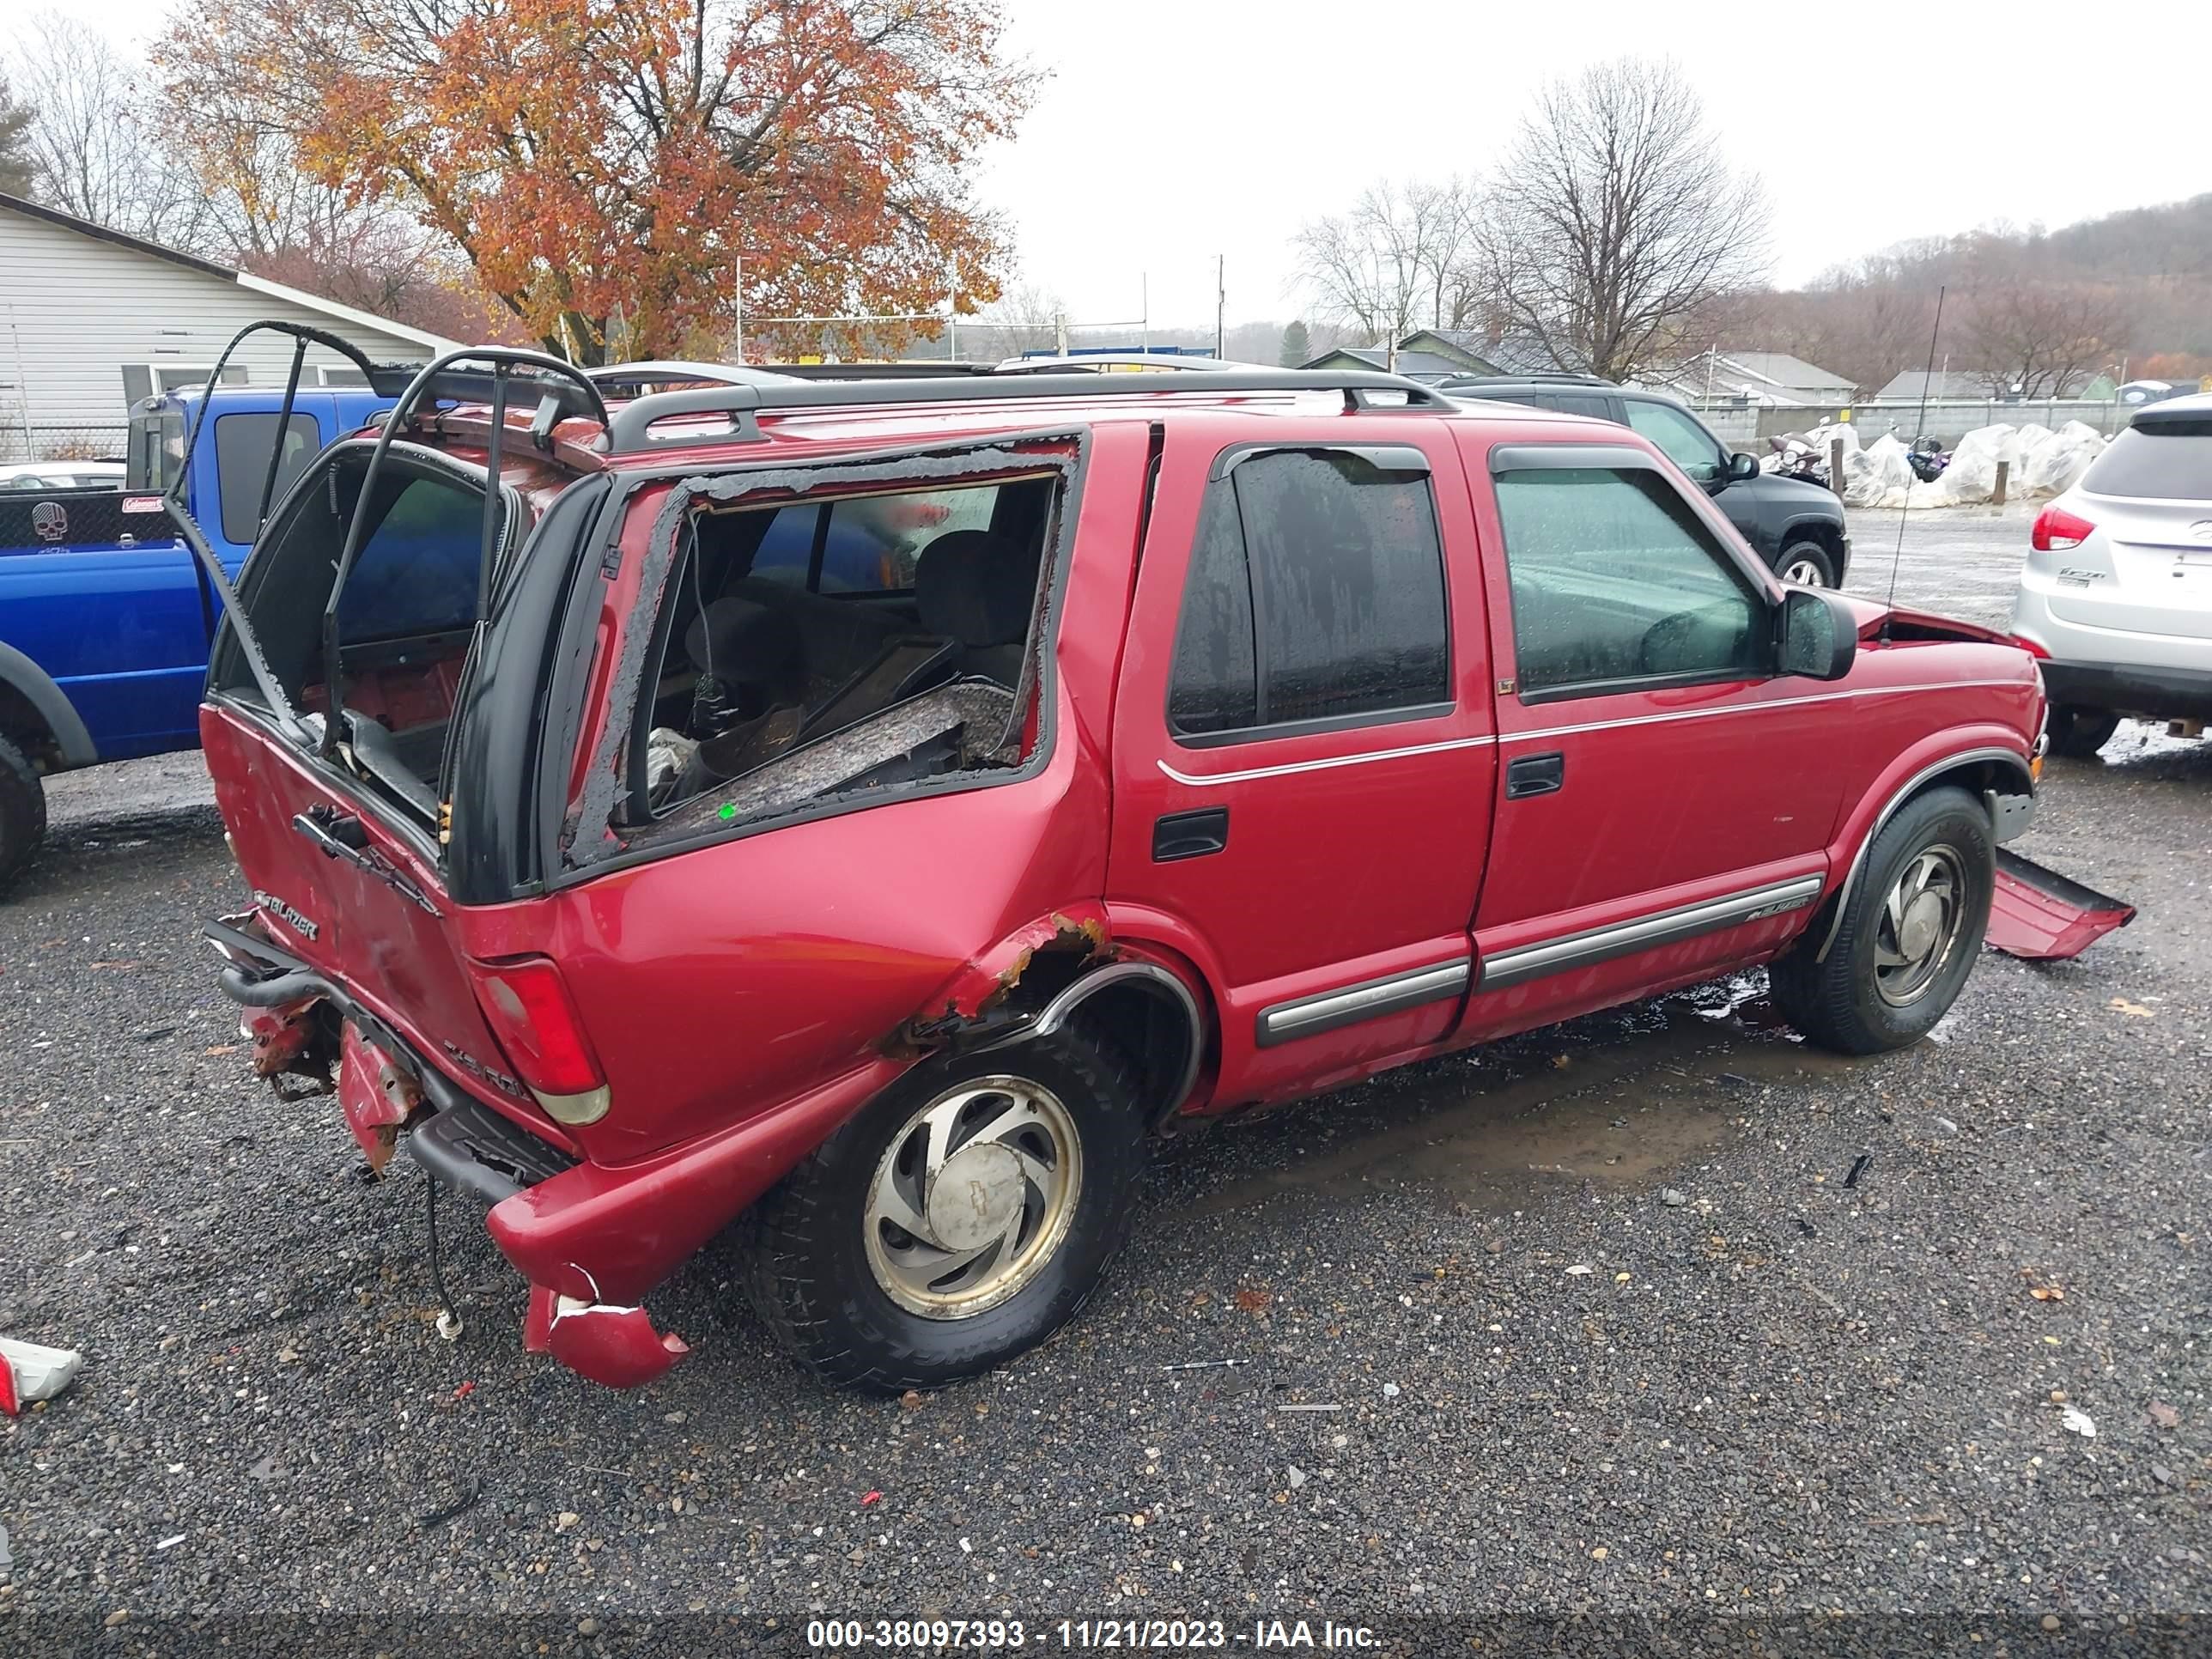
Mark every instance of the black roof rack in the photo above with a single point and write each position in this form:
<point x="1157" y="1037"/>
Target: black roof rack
<point x="1559" y="377"/>
<point x="630" y="430"/>
<point x="912" y="371"/>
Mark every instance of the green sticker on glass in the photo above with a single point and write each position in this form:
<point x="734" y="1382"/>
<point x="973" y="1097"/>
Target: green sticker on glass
<point x="729" y="810"/>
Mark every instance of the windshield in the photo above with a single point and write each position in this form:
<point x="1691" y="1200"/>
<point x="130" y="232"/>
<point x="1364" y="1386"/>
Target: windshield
<point x="2162" y="461"/>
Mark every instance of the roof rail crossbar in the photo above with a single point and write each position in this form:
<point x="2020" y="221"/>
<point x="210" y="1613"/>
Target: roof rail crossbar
<point x="631" y="429"/>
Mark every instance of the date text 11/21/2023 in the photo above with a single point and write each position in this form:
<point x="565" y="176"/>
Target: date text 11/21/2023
<point x="932" y="1635"/>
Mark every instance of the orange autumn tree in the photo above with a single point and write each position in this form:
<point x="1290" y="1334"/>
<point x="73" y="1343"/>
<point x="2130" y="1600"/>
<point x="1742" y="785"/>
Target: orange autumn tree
<point x="606" y="165"/>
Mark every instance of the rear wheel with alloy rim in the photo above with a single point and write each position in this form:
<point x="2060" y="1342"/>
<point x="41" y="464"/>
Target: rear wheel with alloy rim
<point x="962" y="1216"/>
<point x="1807" y="565"/>
<point x="1908" y="935"/>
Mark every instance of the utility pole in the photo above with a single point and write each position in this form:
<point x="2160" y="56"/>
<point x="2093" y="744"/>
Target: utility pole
<point x="1220" y="307"/>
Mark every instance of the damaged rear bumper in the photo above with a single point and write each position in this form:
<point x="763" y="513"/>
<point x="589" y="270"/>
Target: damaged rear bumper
<point x="390" y="1094"/>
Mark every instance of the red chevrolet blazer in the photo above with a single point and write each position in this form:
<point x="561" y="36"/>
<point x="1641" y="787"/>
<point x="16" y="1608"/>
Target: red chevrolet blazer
<point x="868" y="813"/>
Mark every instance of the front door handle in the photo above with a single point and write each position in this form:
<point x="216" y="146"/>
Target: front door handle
<point x="1535" y="775"/>
<point x="1190" y="834"/>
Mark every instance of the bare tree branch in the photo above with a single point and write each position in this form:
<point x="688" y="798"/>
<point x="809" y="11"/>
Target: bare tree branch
<point x="1400" y="259"/>
<point x="1614" y="221"/>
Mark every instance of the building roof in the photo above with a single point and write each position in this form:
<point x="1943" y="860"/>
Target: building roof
<point x="1503" y="353"/>
<point x="1774" y="378"/>
<point x="1914" y="383"/>
<point x="1415" y="365"/>
<point x="227" y="273"/>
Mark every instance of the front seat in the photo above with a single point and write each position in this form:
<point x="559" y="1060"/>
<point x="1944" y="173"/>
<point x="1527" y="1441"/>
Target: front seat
<point x="978" y="590"/>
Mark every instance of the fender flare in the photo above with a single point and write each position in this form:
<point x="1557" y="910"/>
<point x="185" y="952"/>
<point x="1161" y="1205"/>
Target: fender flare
<point x="1814" y="528"/>
<point x="19" y="672"/>
<point x="1057" y="1012"/>
<point x="1897" y="797"/>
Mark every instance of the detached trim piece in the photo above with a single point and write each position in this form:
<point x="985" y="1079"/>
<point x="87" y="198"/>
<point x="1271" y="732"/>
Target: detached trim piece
<point x="1646" y="933"/>
<point x="1370" y="999"/>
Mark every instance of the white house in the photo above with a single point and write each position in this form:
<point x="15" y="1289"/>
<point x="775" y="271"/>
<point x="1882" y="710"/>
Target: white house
<point x="91" y="320"/>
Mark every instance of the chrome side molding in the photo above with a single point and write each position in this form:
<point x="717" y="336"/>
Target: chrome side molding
<point x="1369" y="999"/>
<point x="1663" y="927"/>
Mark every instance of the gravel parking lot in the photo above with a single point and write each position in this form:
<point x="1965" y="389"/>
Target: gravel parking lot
<point x="1655" y="1313"/>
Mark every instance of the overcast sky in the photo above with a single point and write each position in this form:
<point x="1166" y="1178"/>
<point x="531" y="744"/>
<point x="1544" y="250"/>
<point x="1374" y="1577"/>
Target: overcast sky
<point x="1171" y="131"/>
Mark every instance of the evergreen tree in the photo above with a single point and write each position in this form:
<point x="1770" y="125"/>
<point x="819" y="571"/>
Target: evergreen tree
<point x="14" y="143"/>
<point x="1297" y="346"/>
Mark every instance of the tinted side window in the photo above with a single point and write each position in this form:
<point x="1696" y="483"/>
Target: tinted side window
<point x="1680" y="439"/>
<point x="1214" y="687"/>
<point x="1332" y="568"/>
<point x="242" y="462"/>
<point x="1584" y="402"/>
<point x="1614" y="577"/>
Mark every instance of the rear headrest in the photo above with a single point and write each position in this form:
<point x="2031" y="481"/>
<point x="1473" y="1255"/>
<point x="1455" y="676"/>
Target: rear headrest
<point x="744" y="642"/>
<point x="976" y="587"/>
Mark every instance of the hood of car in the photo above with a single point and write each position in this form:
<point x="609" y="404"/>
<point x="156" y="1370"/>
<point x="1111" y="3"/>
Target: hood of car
<point x="1796" y="494"/>
<point x="1908" y="623"/>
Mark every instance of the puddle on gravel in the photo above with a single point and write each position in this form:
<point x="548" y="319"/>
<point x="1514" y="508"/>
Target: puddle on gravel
<point x="1619" y="1097"/>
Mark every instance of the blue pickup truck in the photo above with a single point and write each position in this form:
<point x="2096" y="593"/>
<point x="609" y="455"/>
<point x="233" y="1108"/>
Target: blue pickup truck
<point x="104" y="614"/>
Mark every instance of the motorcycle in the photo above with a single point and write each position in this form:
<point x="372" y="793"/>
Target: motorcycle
<point x="1926" y="458"/>
<point x="1795" y="458"/>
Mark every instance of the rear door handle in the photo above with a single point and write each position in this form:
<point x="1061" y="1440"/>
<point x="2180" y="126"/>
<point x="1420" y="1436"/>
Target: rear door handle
<point x="1190" y="834"/>
<point x="1535" y="775"/>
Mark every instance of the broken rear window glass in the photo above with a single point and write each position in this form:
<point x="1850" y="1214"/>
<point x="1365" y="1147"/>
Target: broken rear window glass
<point x="820" y="647"/>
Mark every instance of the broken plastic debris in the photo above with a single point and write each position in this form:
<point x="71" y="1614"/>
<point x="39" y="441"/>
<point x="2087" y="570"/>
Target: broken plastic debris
<point x="2079" y="1422"/>
<point x="868" y="1498"/>
<point x="1580" y="1267"/>
<point x="1309" y="1408"/>
<point x="29" y="1372"/>
<point x="170" y="1542"/>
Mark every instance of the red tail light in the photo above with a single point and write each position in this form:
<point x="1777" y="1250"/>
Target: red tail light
<point x="531" y="1012"/>
<point x="2030" y="647"/>
<point x="2056" y="530"/>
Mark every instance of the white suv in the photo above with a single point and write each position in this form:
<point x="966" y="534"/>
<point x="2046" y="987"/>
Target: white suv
<point x="2116" y="597"/>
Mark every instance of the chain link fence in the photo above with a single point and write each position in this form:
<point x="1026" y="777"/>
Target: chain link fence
<point x="97" y="442"/>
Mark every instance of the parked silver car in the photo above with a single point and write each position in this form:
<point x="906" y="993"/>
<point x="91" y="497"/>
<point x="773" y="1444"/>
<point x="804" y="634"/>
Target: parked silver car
<point x="2116" y="597"/>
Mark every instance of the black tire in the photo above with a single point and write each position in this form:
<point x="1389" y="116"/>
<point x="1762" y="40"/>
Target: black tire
<point x="1839" y="1003"/>
<point x="808" y="1270"/>
<point x="1808" y="553"/>
<point x="2078" y="733"/>
<point x="22" y="811"/>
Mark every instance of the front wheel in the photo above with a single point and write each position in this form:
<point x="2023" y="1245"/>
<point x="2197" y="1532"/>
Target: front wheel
<point x="961" y="1217"/>
<point x="1807" y="565"/>
<point x="22" y="811"/>
<point x="2077" y="732"/>
<point x="1909" y="934"/>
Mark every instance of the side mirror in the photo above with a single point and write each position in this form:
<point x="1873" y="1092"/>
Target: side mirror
<point x="1819" y="633"/>
<point x="1741" y="467"/>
